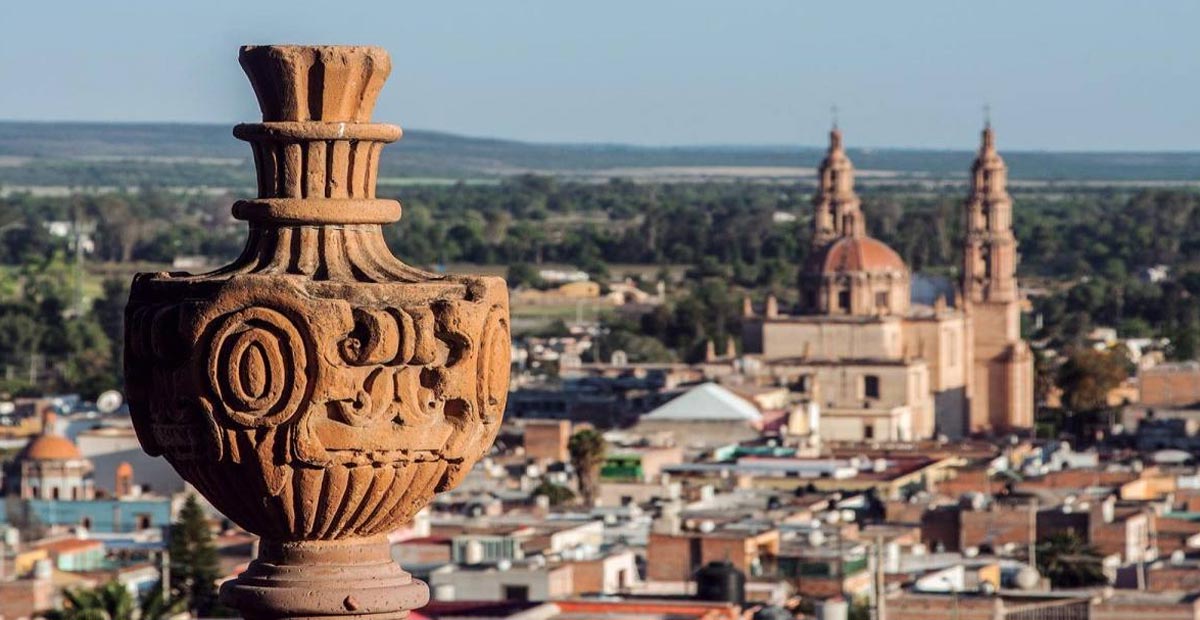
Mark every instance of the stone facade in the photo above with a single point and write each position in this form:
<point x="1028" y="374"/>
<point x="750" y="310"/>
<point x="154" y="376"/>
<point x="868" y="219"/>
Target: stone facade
<point x="884" y="368"/>
<point x="1003" y="375"/>
<point x="50" y="467"/>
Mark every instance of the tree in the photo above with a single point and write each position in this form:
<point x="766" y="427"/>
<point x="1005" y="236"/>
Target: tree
<point x="587" y="448"/>
<point x="1087" y="377"/>
<point x="194" y="568"/>
<point x="1043" y="377"/>
<point x="109" y="310"/>
<point x="522" y="275"/>
<point x="1069" y="562"/>
<point x="557" y="494"/>
<point x="622" y="335"/>
<point x="113" y="601"/>
<point x="155" y="606"/>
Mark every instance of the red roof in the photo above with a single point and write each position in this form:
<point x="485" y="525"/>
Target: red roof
<point x="50" y="448"/>
<point x="425" y="540"/>
<point x="69" y="545"/>
<point x="860" y="254"/>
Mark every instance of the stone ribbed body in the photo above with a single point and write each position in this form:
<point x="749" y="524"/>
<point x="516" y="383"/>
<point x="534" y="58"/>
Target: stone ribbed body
<point x="318" y="391"/>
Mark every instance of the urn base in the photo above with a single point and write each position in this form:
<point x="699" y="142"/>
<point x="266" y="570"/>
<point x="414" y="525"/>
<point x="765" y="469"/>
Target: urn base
<point x="325" y="579"/>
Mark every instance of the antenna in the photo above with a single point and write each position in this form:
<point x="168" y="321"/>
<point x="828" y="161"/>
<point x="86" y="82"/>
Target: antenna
<point x="987" y="116"/>
<point x="833" y="115"/>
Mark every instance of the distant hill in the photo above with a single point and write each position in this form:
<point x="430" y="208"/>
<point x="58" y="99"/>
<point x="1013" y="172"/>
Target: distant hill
<point x="101" y="154"/>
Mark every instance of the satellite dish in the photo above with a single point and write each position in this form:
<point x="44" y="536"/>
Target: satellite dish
<point x="109" y="401"/>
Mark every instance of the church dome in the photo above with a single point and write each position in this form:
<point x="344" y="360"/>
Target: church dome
<point x="851" y="254"/>
<point x="50" y="448"/>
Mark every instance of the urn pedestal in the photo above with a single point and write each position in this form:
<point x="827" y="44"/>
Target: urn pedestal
<point x="318" y="391"/>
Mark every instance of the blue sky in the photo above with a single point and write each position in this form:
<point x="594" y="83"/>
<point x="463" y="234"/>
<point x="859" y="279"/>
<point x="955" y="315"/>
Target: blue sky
<point x="1069" y="75"/>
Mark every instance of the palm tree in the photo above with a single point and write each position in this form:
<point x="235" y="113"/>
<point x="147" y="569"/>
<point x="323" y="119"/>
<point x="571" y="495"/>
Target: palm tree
<point x="587" y="448"/>
<point x="112" y="601"/>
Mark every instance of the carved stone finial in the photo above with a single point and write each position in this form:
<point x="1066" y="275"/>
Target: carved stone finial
<point x="318" y="391"/>
<point x="326" y="83"/>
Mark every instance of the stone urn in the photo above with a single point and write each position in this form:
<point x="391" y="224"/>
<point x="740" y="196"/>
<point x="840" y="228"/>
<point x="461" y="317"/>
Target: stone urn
<point x="318" y="391"/>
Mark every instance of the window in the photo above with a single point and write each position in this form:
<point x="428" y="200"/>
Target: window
<point x="844" y="300"/>
<point x="871" y="386"/>
<point x="881" y="299"/>
<point x="516" y="593"/>
<point x="868" y="430"/>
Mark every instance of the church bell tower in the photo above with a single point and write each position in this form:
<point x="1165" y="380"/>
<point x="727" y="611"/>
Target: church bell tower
<point x="1002" y="395"/>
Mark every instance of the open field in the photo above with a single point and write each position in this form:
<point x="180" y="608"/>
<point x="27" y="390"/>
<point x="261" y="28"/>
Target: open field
<point x="185" y="155"/>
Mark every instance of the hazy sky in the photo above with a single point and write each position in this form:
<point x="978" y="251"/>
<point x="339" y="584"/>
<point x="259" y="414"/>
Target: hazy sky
<point x="1094" y="74"/>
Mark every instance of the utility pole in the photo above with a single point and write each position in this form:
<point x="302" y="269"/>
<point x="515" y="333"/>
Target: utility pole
<point x="880" y="581"/>
<point x="1033" y="512"/>
<point x="166" y="572"/>
<point x="78" y="225"/>
<point x="1141" y="563"/>
<point x="841" y="568"/>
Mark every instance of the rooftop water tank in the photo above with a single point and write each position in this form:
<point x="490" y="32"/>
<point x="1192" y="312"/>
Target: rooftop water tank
<point x="720" y="581"/>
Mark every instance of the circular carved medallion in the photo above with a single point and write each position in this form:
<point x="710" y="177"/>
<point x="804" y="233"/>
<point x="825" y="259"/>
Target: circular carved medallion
<point x="255" y="365"/>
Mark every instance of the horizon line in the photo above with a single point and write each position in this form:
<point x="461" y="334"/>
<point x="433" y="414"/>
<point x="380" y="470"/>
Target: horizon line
<point x="645" y="146"/>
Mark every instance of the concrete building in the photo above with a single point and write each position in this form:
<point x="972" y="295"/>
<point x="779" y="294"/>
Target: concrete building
<point x="533" y="581"/>
<point x="886" y="368"/>
<point x="547" y="440"/>
<point x="638" y="464"/>
<point x="706" y="415"/>
<point x="607" y="573"/>
<point x="676" y="555"/>
<point x="54" y="484"/>
<point x="1170" y="385"/>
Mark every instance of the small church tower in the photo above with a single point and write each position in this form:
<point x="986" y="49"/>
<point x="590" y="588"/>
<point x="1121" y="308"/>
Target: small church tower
<point x="837" y="210"/>
<point x="1002" y="391"/>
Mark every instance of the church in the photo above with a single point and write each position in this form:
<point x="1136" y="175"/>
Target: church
<point x="881" y="367"/>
